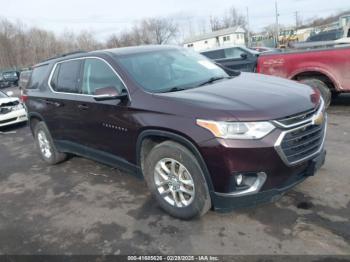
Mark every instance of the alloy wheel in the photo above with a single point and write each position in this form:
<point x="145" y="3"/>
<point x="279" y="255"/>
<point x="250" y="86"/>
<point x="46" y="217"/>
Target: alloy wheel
<point x="174" y="182"/>
<point x="44" y="144"/>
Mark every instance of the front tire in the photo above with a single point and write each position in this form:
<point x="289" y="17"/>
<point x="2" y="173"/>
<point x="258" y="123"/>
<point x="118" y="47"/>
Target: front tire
<point x="177" y="181"/>
<point x="45" y="145"/>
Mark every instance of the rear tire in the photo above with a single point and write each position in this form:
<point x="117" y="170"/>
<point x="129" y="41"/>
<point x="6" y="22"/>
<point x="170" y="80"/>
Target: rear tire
<point x="321" y="86"/>
<point x="176" y="180"/>
<point x="45" y="145"/>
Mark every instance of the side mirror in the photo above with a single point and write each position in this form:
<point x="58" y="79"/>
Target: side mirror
<point x="9" y="93"/>
<point x="109" y="93"/>
<point x="228" y="71"/>
<point x="244" y="56"/>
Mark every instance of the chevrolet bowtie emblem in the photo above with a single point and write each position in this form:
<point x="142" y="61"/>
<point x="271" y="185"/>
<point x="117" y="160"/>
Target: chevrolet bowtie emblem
<point x="318" y="119"/>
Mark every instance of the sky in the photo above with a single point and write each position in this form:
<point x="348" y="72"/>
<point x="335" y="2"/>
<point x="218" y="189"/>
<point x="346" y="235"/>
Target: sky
<point x="105" y="17"/>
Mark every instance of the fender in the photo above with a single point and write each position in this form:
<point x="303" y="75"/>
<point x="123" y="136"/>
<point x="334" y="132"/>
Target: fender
<point x="34" y="115"/>
<point x="181" y="140"/>
<point x="317" y="70"/>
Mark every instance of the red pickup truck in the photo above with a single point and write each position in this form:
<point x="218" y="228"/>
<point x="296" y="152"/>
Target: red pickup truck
<point x="326" y="69"/>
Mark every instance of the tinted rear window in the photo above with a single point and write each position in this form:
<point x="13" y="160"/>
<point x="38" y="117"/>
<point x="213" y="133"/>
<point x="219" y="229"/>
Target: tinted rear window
<point x="38" y="76"/>
<point x="327" y="36"/>
<point x="217" y="54"/>
<point x="24" y="79"/>
<point x="65" y="77"/>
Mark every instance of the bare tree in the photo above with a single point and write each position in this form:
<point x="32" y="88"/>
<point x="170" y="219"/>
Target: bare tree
<point x="86" y="41"/>
<point x="215" y="23"/>
<point x="23" y="47"/>
<point x="113" y="41"/>
<point x="158" y="30"/>
<point x="230" y="19"/>
<point x="146" y="32"/>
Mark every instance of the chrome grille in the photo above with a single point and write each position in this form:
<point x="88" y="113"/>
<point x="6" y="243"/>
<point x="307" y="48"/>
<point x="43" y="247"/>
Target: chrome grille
<point x="296" y="119"/>
<point x="301" y="140"/>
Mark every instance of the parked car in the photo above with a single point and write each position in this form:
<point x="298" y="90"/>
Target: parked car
<point x="9" y="78"/>
<point x="199" y="137"/>
<point x="326" y="69"/>
<point x="329" y="35"/>
<point x="3" y="82"/>
<point x="235" y="58"/>
<point x="12" y="110"/>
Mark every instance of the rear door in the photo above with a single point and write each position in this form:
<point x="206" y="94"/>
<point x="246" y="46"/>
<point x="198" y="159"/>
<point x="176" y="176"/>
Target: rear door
<point x="64" y="119"/>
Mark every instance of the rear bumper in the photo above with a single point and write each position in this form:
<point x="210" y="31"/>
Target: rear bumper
<point x="227" y="202"/>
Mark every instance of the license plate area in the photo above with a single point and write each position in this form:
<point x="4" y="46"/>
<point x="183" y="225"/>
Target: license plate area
<point x="316" y="163"/>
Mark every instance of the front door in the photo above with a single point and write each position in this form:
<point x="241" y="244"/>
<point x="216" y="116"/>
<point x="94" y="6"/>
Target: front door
<point x="106" y="124"/>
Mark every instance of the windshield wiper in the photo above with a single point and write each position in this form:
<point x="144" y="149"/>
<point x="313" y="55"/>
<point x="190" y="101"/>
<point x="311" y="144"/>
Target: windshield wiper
<point x="210" y="80"/>
<point x="213" y="79"/>
<point x="173" y="89"/>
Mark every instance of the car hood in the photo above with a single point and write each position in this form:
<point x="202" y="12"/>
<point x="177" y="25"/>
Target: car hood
<point x="7" y="100"/>
<point x="247" y="97"/>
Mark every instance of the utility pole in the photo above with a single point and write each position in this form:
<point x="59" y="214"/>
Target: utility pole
<point x="248" y="28"/>
<point x="296" y="20"/>
<point x="277" y="24"/>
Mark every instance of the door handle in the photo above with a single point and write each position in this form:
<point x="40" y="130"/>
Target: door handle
<point x="54" y="103"/>
<point x="83" y="107"/>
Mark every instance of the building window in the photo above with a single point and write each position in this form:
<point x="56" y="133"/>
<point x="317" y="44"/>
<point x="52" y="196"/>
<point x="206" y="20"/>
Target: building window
<point x="190" y="45"/>
<point x="205" y="42"/>
<point x="226" y="38"/>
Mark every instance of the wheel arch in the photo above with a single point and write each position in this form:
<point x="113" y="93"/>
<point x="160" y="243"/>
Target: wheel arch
<point x="318" y="73"/>
<point x="33" y="119"/>
<point x="162" y="135"/>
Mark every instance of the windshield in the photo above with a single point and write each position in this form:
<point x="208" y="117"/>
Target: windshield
<point x="10" y="75"/>
<point x="170" y="70"/>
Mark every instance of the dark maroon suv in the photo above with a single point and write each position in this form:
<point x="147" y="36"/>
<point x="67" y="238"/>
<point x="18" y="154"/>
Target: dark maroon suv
<point x="200" y="138"/>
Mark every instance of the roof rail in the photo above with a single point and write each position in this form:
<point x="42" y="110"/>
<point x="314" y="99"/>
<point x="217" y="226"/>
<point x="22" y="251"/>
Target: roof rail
<point x="63" y="55"/>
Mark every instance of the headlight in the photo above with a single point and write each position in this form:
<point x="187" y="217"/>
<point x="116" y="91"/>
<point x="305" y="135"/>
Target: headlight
<point x="237" y="130"/>
<point x="17" y="107"/>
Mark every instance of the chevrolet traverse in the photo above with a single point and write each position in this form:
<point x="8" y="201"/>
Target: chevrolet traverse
<point x="200" y="138"/>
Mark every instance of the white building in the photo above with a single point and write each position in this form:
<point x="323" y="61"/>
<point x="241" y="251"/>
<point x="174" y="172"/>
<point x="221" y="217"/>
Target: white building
<point x="344" y="20"/>
<point x="225" y="37"/>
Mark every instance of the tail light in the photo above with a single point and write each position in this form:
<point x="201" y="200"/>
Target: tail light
<point x="257" y="68"/>
<point x="23" y="98"/>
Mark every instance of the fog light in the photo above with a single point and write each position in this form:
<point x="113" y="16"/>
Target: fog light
<point x="239" y="179"/>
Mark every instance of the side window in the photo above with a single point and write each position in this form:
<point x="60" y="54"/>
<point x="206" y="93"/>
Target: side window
<point x="66" y="77"/>
<point x="37" y="77"/>
<point x="24" y="79"/>
<point x="98" y="75"/>
<point x="217" y="54"/>
<point x="234" y="53"/>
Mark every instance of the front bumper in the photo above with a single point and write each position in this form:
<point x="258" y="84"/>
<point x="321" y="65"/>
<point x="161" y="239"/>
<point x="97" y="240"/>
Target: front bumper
<point x="228" y="202"/>
<point x="13" y="117"/>
<point x="265" y="159"/>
